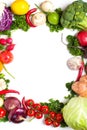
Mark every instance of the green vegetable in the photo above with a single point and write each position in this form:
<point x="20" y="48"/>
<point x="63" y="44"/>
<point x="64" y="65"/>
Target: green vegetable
<point x="19" y="22"/>
<point x="58" y="27"/>
<point x="75" y="113"/>
<point x="75" y="16"/>
<point x="73" y="46"/>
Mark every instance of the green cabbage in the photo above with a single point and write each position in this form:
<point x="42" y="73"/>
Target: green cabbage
<point x="75" y="113"/>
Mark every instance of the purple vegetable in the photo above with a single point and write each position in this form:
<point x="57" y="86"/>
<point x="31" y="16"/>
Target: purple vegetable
<point x="11" y="103"/>
<point x="17" y="115"/>
<point x="5" y="19"/>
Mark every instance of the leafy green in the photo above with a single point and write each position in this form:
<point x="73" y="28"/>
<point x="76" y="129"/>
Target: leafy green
<point x="58" y="27"/>
<point x="71" y="92"/>
<point x="74" y="16"/>
<point x="73" y="46"/>
<point x="18" y="22"/>
<point x="54" y="105"/>
<point x="75" y="113"/>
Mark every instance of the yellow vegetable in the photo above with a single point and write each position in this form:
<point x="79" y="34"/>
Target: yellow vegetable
<point x="20" y="7"/>
<point x="1" y="66"/>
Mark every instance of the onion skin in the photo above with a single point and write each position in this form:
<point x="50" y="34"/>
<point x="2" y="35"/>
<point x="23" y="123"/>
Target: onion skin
<point x="11" y="103"/>
<point x="17" y="115"/>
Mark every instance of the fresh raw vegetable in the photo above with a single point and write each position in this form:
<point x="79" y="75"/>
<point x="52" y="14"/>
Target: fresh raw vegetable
<point x="75" y="113"/>
<point x="20" y="7"/>
<point x="75" y="16"/>
<point x="58" y="27"/>
<point x="11" y="102"/>
<point x="1" y="102"/>
<point x="17" y="115"/>
<point x="28" y="17"/>
<point x="47" y="6"/>
<point x="82" y="38"/>
<point x="76" y="63"/>
<point x="2" y="112"/>
<point x="6" y="57"/>
<point x="38" y="19"/>
<point x="53" y="18"/>
<point x="5" y="17"/>
<point x="80" y="87"/>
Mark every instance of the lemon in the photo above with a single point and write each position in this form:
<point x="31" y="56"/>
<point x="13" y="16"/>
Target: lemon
<point x="20" y="7"/>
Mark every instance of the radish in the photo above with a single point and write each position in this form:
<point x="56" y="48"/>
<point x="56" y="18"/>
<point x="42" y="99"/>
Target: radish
<point x="82" y="38"/>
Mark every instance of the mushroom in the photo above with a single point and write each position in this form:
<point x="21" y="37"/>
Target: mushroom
<point x="47" y="6"/>
<point x="38" y="18"/>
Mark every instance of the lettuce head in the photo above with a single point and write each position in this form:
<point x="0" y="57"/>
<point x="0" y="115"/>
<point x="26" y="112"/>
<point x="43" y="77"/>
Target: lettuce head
<point x="75" y="113"/>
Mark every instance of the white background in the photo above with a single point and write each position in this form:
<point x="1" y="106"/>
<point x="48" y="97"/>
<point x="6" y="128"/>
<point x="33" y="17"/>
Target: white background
<point x="39" y="66"/>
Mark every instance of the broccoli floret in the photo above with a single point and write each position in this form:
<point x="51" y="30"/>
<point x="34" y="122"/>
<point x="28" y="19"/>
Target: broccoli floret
<point x="75" y="16"/>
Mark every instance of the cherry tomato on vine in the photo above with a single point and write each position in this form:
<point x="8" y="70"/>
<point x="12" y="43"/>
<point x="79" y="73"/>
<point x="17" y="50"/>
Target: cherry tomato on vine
<point x="59" y="117"/>
<point x="29" y="102"/>
<point x="52" y="114"/>
<point x="6" y="57"/>
<point x="2" y="112"/>
<point x="44" y="109"/>
<point x="48" y="121"/>
<point x="30" y="112"/>
<point x="38" y="115"/>
<point x="56" y="124"/>
<point x="37" y="106"/>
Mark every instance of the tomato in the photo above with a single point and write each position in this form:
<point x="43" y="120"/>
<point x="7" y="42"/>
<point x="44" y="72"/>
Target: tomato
<point x="56" y="124"/>
<point x="2" y="112"/>
<point x="59" y="117"/>
<point x="53" y="18"/>
<point x="44" y="109"/>
<point x="52" y="114"/>
<point x="30" y="112"/>
<point x="20" y="7"/>
<point x="48" y="121"/>
<point x="29" y="102"/>
<point x="82" y="38"/>
<point x="37" y="106"/>
<point x="6" y="57"/>
<point x="38" y="115"/>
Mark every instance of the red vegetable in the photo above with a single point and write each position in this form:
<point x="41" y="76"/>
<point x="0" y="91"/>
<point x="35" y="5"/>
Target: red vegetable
<point x="28" y="20"/>
<point x="82" y="38"/>
<point x="8" y="91"/>
<point x="6" y="57"/>
<point x="80" y="72"/>
<point x="2" y="112"/>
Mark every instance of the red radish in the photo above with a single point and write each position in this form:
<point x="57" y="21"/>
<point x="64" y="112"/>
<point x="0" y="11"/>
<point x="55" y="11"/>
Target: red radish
<point x="82" y="38"/>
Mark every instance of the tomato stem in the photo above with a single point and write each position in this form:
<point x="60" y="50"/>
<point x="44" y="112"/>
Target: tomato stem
<point x="8" y="72"/>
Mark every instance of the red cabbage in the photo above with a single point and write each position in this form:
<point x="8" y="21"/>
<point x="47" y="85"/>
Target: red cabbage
<point x="6" y="19"/>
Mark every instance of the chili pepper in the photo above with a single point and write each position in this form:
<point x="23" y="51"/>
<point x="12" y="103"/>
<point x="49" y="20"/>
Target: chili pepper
<point x="8" y="91"/>
<point x="23" y="103"/>
<point x="80" y="71"/>
<point x="28" y="20"/>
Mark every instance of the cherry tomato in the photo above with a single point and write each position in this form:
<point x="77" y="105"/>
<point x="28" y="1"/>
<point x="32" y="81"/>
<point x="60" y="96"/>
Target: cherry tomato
<point x="6" y="57"/>
<point x="29" y="102"/>
<point x="2" y="112"/>
<point x="52" y="114"/>
<point x="38" y="115"/>
<point x="37" y="106"/>
<point x="30" y="112"/>
<point x="44" y="109"/>
<point x="59" y="117"/>
<point x="48" y="121"/>
<point x="56" y="124"/>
